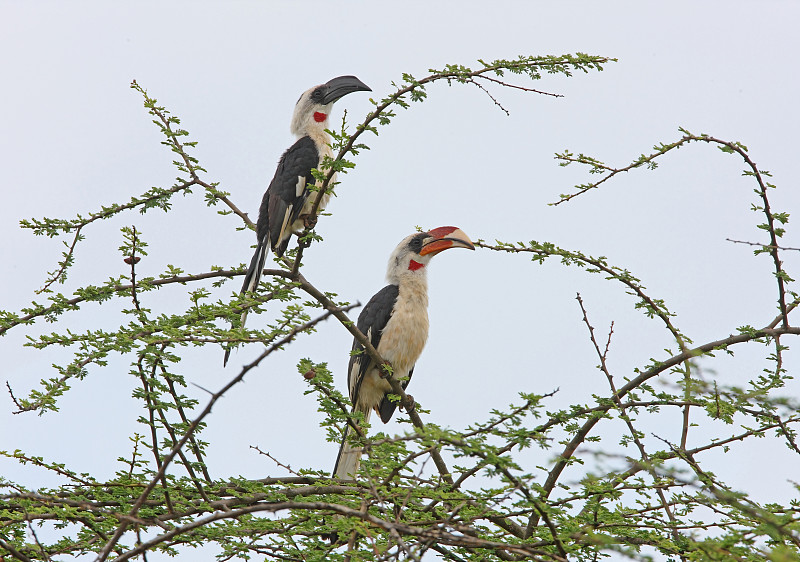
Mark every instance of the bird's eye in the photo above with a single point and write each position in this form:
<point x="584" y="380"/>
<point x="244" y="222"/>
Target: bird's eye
<point x="416" y="244"/>
<point x="316" y="95"/>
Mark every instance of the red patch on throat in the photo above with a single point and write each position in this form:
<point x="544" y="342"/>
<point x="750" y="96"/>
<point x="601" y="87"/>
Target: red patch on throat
<point x="320" y="117"/>
<point x="415" y="265"/>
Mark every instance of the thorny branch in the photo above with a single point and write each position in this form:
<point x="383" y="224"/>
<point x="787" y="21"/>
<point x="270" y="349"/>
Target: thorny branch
<point x="441" y="536"/>
<point x="786" y="248"/>
<point x="602" y="355"/>
<point x="648" y="374"/>
<point x="189" y="163"/>
<point x="115" y="288"/>
<point x="650" y="305"/>
<point x="65" y="263"/>
<point x="726" y="146"/>
<point x="452" y="529"/>
<point x="167" y="459"/>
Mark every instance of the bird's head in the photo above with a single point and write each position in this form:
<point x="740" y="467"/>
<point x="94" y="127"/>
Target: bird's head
<point x="315" y="104"/>
<point x="412" y="255"/>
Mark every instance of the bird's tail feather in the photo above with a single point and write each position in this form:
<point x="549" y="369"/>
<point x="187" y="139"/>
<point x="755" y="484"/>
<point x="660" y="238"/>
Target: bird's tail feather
<point x="349" y="458"/>
<point x="251" y="281"/>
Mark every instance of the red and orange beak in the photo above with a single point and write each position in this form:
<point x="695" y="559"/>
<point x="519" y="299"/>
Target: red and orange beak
<point x="443" y="238"/>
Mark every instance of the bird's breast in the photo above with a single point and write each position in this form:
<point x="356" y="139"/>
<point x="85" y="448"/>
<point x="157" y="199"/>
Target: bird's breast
<point x="406" y="332"/>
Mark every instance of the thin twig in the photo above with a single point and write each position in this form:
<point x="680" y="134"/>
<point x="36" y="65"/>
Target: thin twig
<point x="763" y="245"/>
<point x="167" y="459"/>
<point x="151" y="411"/>
<point x="627" y="419"/>
<point x="516" y="87"/>
<point x="117" y="288"/>
<point x="276" y="461"/>
<point x="65" y="263"/>
<point x="14" y="552"/>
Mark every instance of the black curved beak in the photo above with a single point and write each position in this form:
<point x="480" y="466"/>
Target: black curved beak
<point x="341" y="86"/>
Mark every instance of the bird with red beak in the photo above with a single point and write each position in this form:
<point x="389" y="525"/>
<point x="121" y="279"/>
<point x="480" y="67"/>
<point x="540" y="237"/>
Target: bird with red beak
<point x="395" y="320"/>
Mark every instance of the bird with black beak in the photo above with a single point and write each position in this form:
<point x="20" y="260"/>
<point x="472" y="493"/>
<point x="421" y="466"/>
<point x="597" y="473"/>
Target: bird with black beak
<point x="287" y="203"/>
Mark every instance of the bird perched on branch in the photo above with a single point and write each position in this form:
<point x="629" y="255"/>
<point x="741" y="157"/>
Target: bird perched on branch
<point x="286" y="206"/>
<point x="395" y="321"/>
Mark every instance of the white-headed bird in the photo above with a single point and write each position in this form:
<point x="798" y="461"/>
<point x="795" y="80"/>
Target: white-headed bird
<point x="287" y="203"/>
<point x="396" y="322"/>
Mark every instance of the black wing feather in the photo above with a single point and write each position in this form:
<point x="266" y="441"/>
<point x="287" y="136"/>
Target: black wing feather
<point x="372" y="321"/>
<point x="387" y="407"/>
<point x="297" y="161"/>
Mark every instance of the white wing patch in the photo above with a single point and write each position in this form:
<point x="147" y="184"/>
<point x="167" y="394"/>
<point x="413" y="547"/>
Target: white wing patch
<point x="300" y="186"/>
<point x="284" y="227"/>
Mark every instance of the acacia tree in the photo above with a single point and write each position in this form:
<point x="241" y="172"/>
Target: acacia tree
<point x="455" y="494"/>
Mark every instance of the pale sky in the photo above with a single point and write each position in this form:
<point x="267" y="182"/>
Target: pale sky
<point x="75" y="137"/>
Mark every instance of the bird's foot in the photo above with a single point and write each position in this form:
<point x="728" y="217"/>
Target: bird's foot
<point x="386" y="369"/>
<point x="309" y="221"/>
<point x="411" y="404"/>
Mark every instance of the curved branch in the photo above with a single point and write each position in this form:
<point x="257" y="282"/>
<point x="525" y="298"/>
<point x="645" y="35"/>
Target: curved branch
<point x="585" y="429"/>
<point x="726" y="146"/>
<point x="453" y="73"/>
<point x="107" y="290"/>
<point x="190" y="430"/>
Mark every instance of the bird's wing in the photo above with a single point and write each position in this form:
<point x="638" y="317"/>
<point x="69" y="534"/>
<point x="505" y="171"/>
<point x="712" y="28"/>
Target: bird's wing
<point x="283" y="201"/>
<point x="280" y="207"/>
<point x="371" y="322"/>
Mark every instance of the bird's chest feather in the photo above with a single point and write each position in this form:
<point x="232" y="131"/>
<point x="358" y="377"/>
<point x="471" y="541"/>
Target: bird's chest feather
<point x="402" y="341"/>
<point x="406" y="332"/>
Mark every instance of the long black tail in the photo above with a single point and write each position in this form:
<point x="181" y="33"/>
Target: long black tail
<point x="251" y="281"/>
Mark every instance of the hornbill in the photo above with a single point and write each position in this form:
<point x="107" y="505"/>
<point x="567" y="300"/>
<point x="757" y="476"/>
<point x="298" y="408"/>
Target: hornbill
<point x="287" y="203"/>
<point x="396" y="322"/>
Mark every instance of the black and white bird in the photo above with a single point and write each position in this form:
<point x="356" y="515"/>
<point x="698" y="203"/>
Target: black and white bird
<point x="396" y="322"/>
<point x="288" y="200"/>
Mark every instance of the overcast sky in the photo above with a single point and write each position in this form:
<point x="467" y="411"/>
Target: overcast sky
<point x="75" y="137"/>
